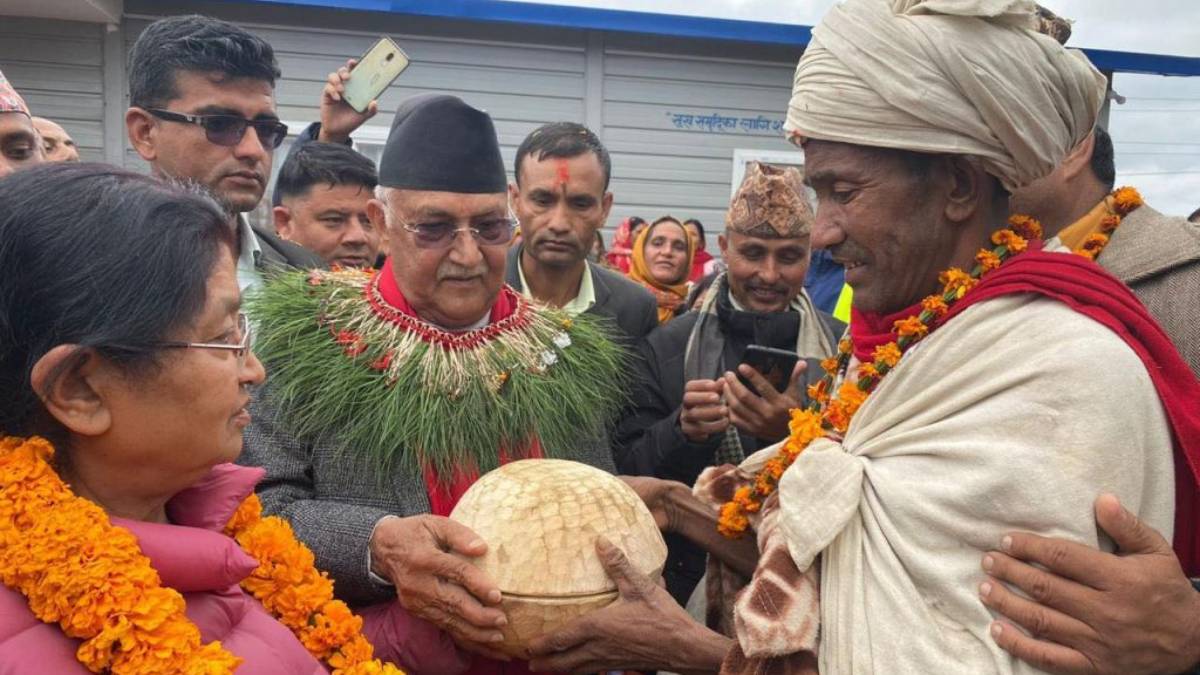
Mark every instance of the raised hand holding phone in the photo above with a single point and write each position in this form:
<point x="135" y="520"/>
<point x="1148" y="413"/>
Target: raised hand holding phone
<point x="763" y="416"/>
<point x="351" y="93"/>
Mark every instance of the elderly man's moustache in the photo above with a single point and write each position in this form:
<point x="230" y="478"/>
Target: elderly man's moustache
<point x="847" y="251"/>
<point x="457" y="272"/>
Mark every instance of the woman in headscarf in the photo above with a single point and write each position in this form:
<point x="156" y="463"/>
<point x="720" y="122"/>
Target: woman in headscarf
<point x="622" y="249"/>
<point x="703" y="264"/>
<point x="662" y="260"/>
<point x="127" y="532"/>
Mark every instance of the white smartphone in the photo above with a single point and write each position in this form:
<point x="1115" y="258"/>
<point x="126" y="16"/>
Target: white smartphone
<point x="376" y="69"/>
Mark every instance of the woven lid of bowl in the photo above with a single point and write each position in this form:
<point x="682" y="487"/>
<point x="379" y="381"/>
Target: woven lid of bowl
<point x="540" y="519"/>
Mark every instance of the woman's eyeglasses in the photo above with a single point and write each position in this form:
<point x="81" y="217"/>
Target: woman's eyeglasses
<point x="441" y="234"/>
<point x="240" y="348"/>
<point x="228" y="130"/>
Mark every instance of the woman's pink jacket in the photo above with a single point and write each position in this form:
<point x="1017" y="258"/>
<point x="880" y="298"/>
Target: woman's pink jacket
<point x="192" y="556"/>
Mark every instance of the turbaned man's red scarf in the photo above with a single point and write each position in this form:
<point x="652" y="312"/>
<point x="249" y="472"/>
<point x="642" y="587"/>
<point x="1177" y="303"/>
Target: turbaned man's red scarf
<point x="1090" y="290"/>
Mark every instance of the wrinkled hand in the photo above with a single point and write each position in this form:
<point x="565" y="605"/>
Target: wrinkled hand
<point x="644" y="629"/>
<point x="423" y="557"/>
<point x="703" y="413"/>
<point x="655" y="493"/>
<point x="1131" y="613"/>
<point x="338" y="119"/>
<point x="763" y="416"/>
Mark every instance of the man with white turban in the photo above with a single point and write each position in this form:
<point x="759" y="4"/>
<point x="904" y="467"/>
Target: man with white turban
<point x="960" y="408"/>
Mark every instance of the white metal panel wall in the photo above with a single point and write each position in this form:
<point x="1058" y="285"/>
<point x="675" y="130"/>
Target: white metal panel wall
<point x="674" y="114"/>
<point x="58" y="68"/>
<point x="627" y="87"/>
<point x="522" y="82"/>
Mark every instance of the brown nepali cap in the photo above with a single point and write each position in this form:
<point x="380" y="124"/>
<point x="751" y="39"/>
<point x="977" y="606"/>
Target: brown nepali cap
<point x="770" y="203"/>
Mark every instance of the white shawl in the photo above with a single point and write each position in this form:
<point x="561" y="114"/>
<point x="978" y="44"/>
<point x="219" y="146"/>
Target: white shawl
<point x="1013" y="416"/>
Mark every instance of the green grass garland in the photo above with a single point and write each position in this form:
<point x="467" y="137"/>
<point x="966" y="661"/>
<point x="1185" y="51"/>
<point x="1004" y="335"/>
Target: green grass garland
<point x="320" y="393"/>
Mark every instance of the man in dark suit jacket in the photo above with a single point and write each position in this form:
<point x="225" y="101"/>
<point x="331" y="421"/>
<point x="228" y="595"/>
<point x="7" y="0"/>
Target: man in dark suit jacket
<point x="561" y="199"/>
<point x="202" y="109"/>
<point x="629" y="305"/>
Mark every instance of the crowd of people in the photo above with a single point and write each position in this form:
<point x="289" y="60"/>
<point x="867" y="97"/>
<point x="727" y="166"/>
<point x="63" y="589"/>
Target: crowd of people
<point x="235" y="445"/>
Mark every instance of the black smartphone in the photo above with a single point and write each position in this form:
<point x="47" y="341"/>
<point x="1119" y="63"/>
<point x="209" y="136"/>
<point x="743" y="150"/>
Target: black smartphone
<point x="775" y="365"/>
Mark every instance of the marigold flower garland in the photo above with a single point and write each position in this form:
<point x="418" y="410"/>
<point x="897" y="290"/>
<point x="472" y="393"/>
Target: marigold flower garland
<point x="1124" y="201"/>
<point x="78" y="570"/>
<point x="290" y="587"/>
<point x="830" y="416"/>
<point x="107" y="594"/>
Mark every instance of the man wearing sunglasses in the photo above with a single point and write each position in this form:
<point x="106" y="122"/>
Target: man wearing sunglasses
<point x="391" y="392"/>
<point x="202" y="109"/>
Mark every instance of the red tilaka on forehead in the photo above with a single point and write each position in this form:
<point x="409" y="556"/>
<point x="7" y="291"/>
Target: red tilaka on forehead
<point x="563" y="171"/>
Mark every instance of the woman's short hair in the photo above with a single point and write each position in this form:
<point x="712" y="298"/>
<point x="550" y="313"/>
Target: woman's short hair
<point x="99" y="257"/>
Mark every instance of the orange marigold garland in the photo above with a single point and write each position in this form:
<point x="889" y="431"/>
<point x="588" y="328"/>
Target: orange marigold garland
<point x="131" y="624"/>
<point x="128" y="621"/>
<point x="1124" y="200"/>
<point x="290" y="587"/>
<point x="830" y="416"/>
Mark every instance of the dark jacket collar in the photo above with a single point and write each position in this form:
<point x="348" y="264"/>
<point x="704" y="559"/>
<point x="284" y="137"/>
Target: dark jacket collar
<point x="512" y="276"/>
<point x="769" y="329"/>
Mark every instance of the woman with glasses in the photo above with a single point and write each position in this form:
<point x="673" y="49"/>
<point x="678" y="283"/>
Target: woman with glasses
<point x="126" y="369"/>
<point x="662" y="261"/>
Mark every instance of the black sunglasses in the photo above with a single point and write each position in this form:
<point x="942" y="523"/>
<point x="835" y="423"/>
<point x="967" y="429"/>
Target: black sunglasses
<point x="228" y="130"/>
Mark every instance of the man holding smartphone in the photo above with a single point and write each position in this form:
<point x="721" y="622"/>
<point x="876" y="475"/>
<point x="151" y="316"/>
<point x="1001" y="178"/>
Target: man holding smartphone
<point x="691" y="410"/>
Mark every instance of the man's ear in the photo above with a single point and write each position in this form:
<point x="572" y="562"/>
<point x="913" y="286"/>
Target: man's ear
<point x="966" y="188"/>
<point x="723" y="244"/>
<point x="283" y="221"/>
<point x="606" y="203"/>
<point x="142" y="129"/>
<point x="514" y="195"/>
<point x="69" y="381"/>
<point x="1079" y="159"/>
<point x="377" y="216"/>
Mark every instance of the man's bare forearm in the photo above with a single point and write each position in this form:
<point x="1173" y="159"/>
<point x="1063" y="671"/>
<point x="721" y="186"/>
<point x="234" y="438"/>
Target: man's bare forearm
<point x="697" y="521"/>
<point x="699" y="651"/>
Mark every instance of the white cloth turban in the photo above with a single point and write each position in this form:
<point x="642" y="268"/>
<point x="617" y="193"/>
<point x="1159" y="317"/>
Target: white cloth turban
<point x="967" y="77"/>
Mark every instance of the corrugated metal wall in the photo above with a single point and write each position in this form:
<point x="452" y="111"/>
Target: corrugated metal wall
<point x="672" y="111"/>
<point x="58" y="68"/>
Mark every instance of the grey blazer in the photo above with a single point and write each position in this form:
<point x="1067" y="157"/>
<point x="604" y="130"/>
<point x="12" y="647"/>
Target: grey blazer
<point x="1158" y="257"/>
<point x="333" y="501"/>
<point x="631" y="306"/>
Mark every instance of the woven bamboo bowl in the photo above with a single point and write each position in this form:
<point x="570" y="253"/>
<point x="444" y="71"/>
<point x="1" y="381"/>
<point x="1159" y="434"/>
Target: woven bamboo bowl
<point x="540" y="519"/>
